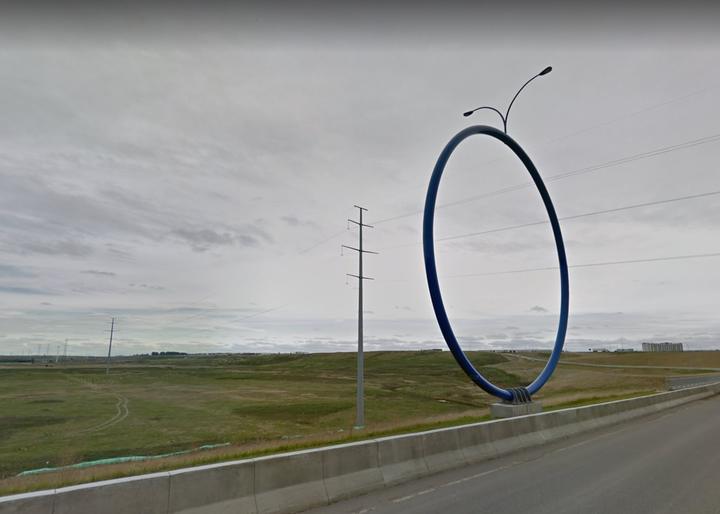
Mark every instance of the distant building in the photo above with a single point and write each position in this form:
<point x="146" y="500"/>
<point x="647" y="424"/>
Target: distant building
<point x="662" y="347"/>
<point x="624" y="350"/>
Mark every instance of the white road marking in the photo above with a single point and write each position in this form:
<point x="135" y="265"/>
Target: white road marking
<point x="405" y="498"/>
<point x="485" y="473"/>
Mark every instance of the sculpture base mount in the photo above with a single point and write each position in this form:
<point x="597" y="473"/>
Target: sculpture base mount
<point x="510" y="410"/>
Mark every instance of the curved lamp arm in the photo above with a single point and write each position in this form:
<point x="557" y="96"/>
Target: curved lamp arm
<point x="543" y="72"/>
<point x="505" y="118"/>
<point x="466" y="114"/>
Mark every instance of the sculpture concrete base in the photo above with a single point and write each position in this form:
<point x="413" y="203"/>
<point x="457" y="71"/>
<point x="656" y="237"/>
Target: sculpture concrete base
<point x="509" y="410"/>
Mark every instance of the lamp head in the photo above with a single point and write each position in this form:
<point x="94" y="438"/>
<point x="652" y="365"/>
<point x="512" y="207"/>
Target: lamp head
<point x="466" y="114"/>
<point x="545" y="71"/>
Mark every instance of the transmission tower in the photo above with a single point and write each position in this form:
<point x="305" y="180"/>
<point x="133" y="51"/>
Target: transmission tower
<point x="360" y="277"/>
<point x="112" y="329"/>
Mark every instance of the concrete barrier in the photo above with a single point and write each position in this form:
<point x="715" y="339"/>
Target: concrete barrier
<point x="553" y="425"/>
<point x="40" y="502"/>
<point x="289" y="482"/>
<point x="350" y="470"/>
<point x="608" y="414"/>
<point x="292" y="482"/>
<point x="401" y="458"/>
<point x="144" y="494"/>
<point x="216" y="489"/>
<point x="529" y="431"/>
<point x="503" y="434"/>
<point x="691" y="381"/>
<point x="442" y="450"/>
<point x="588" y="418"/>
<point x="476" y="443"/>
<point x="642" y="406"/>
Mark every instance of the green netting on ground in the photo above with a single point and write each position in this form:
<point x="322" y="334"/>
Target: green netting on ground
<point x="118" y="460"/>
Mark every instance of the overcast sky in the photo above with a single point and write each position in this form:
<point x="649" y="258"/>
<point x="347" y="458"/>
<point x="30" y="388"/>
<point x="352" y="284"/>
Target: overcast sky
<point x="190" y="172"/>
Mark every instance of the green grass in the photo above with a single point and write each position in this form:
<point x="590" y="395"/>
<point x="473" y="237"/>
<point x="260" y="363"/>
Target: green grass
<point x="60" y="415"/>
<point x="54" y="416"/>
<point x="596" y="399"/>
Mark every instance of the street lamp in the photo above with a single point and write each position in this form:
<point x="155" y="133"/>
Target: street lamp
<point x="505" y="118"/>
<point x="516" y="395"/>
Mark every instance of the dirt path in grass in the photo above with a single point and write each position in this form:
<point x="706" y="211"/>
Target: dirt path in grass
<point x="122" y="406"/>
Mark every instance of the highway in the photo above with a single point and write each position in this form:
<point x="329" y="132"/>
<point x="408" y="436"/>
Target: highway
<point x="572" y="363"/>
<point x="663" y="463"/>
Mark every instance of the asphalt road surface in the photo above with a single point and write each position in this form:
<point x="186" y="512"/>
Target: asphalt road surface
<point x="663" y="463"/>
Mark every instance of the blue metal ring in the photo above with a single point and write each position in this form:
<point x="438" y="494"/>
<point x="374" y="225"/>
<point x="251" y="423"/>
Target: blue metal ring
<point x="431" y="269"/>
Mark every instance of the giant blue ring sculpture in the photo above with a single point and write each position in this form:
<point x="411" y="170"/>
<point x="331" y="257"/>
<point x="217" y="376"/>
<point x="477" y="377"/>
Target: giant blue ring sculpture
<point x="515" y="395"/>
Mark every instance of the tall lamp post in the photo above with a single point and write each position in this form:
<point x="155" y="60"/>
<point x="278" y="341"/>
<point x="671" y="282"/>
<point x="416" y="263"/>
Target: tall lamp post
<point x="518" y="396"/>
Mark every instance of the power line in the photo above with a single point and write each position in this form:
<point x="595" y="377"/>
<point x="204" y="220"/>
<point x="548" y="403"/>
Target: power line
<point x="176" y="322"/>
<point x="624" y="160"/>
<point x="212" y="310"/>
<point x="594" y="264"/>
<point x="536" y="223"/>
<point x="321" y="242"/>
<point x="241" y="318"/>
<point x="560" y="139"/>
<point x="178" y="308"/>
<point x="216" y="293"/>
<point x="589" y="265"/>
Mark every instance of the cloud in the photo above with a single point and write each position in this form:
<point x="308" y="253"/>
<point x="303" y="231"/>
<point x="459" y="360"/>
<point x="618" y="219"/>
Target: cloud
<point x="470" y="339"/>
<point x="537" y="308"/>
<point x="248" y="241"/>
<point x="99" y="273"/>
<point x="156" y="288"/>
<point x="204" y="236"/>
<point x="293" y="221"/>
<point x="45" y="303"/>
<point x="497" y="336"/>
<point x="68" y="247"/>
<point x="14" y="272"/>
<point x="202" y="239"/>
<point x="21" y="290"/>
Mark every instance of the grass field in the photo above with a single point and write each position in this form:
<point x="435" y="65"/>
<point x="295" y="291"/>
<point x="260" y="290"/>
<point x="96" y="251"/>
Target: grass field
<point x="674" y="359"/>
<point x="65" y="414"/>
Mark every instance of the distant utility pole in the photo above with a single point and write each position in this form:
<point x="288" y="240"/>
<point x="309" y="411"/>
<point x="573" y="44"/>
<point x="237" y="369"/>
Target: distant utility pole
<point x="65" y="354"/>
<point x="360" y="277"/>
<point x="112" y="328"/>
<point x="57" y="357"/>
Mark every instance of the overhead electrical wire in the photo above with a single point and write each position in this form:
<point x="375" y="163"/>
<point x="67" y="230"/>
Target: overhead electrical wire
<point x="644" y="155"/>
<point x="576" y="216"/>
<point x="240" y="318"/>
<point x="513" y="188"/>
<point x="588" y="265"/>
<point x="214" y="294"/>
<point x="656" y="106"/>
